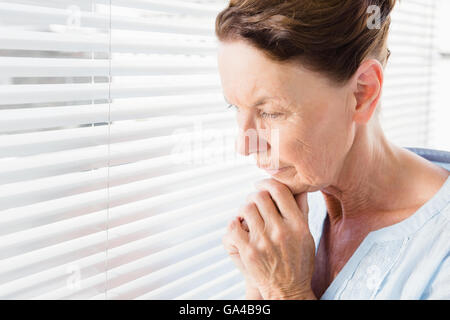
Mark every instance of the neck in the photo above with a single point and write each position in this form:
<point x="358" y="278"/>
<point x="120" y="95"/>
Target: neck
<point x="377" y="181"/>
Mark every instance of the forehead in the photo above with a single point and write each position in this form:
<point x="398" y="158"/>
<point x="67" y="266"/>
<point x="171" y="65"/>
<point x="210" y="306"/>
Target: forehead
<point x="247" y="74"/>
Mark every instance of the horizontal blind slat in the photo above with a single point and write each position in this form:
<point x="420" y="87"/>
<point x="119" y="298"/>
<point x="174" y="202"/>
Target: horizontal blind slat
<point x="138" y="281"/>
<point x="195" y="253"/>
<point x="158" y="127"/>
<point x="235" y="292"/>
<point x="175" y="7"/>
<point x="120" y="109"/>
<point x="25" y="193"/>
<point x="189" y="281"/>
<point x="20" y="94"/>
<point x="66" y="208"/>
<point x="225" y="280"/>
<point x="82" y="162"/>
<point x="48" y="67"/>
<point x="38" y="15"/>
<point x="52" y="278"/>
<point x="204" y="228"/>
<point x="31" y="40"/>
<point x="21" y="263"/>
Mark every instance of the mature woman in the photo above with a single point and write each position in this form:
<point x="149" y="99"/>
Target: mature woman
<point x="313" y="72"/>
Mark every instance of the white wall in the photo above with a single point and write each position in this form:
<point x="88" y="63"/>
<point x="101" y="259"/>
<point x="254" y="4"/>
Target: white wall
<point x="440" y="135"/>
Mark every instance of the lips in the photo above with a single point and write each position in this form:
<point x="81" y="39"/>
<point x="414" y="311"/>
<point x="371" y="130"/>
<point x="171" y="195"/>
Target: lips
<point x="266" y="165"/>
<point x="269" y="167"/>
<point x="273" y="172"/>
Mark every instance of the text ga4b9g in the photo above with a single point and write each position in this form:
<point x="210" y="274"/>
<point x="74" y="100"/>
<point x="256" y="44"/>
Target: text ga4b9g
<point x="246" y="309"/>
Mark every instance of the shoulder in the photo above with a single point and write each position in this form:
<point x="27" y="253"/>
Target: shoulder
<point x="422" y="265"/>
<point x="435" y="233"/>
<point x="438" y="254"/>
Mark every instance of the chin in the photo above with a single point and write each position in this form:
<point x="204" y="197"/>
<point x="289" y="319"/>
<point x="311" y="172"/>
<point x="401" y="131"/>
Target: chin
<point x="296" y="186"/>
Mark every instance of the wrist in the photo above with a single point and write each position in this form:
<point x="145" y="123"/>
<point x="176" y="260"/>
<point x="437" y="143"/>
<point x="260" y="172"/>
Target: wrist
<point x="306" y="294"/>
<point x="309" y="295"/>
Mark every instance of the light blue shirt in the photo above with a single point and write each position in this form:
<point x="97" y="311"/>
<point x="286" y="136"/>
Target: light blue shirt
<point x="407" y="260"/>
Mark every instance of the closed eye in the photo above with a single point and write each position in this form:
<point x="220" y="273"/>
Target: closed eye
<point x="270" y="115"/>
<point x="262" y="114"/>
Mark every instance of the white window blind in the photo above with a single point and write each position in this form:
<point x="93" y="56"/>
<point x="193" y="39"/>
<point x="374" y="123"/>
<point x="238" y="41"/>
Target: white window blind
<point x="441" y="106"/>
<point x="410" y="78"/>
<point x="118" y="174"/>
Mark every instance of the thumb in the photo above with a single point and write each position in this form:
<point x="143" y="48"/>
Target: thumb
<point x="302" y="202"/>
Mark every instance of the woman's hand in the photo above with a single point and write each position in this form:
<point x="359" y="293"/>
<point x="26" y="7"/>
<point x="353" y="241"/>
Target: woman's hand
<point x="252" y="292"/>
<point x="277" y="253"/>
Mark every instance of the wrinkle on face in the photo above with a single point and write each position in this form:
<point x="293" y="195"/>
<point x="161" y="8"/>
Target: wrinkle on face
<point x="353" y="164"/>
<point x="314" y="137"/>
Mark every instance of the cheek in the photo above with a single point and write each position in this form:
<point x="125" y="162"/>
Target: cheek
<point x="330" y="151"/>
<point x="314" y="151"/>
<point x="299" y="149"/>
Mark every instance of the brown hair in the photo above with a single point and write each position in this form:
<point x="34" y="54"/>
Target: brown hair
<point x="329" y="36"/>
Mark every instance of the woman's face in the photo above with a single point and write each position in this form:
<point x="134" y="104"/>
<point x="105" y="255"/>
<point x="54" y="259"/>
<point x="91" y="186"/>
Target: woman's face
<point x="312" y="117"/>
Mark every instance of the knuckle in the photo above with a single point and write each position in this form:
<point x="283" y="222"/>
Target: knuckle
<point x="279" y="189"/>
<point x="278" y="235"/>
<point x="263" y="244"/>
<point x="276" y="186"/>
<point x="252" y="254"/>
<point x="248" y="207"/>
<point x="275" y="228"/>
<point x="298" y="226"/>
<point x="262" y="196"/>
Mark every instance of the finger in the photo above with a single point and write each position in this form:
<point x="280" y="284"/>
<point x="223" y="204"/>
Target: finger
<point x="251" y="215"/>
<point x="233" y="252"/>
<point x="282" y="196"/>
<point x="266" y="207"/>
<point x="302" y="202"/>
<point x="228" y="244"/>
<point x="238" y="235"/>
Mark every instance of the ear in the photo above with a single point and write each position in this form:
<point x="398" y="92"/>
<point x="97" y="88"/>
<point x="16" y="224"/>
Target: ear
<point x="367" y="89"/>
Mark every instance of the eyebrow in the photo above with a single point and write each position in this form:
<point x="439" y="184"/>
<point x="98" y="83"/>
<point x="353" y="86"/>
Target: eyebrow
<point x="259" y="102"/>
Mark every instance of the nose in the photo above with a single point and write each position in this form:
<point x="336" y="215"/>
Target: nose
<point x="249" y="140"/>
